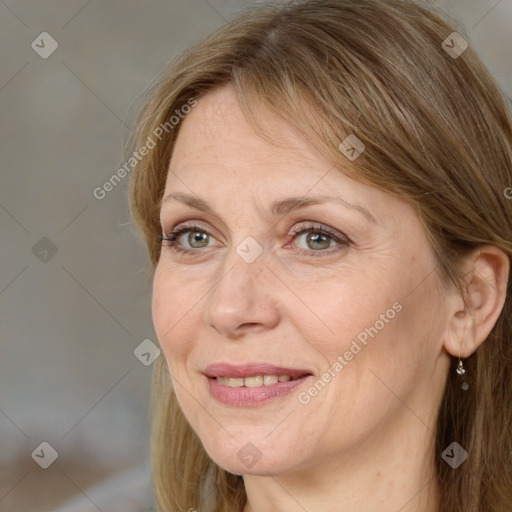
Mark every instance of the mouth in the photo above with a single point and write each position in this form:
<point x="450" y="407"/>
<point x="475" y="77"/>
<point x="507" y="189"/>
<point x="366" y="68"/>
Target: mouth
<point x="252" y="384"/>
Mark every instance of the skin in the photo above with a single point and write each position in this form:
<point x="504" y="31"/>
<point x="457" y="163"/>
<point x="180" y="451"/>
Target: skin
<point x="365" y="441"/>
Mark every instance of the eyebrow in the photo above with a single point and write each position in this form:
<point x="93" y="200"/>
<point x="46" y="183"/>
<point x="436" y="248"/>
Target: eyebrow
<point x="281" y="207"/>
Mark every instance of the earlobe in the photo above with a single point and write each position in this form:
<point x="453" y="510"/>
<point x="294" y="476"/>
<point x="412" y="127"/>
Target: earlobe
<point x="476" y="313"/>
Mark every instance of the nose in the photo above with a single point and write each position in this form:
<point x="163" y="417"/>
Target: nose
<point x="242" y="299"/>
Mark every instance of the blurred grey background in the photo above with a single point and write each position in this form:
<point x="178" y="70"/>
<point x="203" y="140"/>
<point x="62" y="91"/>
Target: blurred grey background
<point x="74" y="290"/>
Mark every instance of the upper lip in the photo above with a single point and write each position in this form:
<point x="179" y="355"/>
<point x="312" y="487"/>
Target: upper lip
<point x="251" y="370"/>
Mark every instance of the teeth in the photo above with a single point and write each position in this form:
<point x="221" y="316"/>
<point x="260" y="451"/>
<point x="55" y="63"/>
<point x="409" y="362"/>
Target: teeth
<point x="235" y="382"/>
<point x="270" y="379"/>
<point x="252" y="382"/>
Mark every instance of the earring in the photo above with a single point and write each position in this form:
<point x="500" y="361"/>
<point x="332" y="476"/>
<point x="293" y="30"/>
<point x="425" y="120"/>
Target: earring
<point x="460" y="368"/>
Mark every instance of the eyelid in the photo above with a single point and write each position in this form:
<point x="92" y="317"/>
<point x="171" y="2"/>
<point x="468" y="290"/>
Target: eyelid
<point x="182" y="227"/>
<point x="312" y="226"/>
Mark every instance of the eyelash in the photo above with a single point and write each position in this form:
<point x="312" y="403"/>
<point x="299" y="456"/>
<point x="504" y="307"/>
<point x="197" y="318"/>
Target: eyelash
<point x="172" y="237"/>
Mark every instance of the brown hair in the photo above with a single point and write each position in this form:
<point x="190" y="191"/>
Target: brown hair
<point x="437" y="133"/>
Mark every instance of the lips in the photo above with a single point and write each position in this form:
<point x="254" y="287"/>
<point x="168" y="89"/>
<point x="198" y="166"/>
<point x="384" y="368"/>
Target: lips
<point x="229" y="371"/>
<point x="252" y="385"/>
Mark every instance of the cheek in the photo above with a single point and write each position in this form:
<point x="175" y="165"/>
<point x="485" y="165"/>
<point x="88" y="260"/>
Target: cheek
<point x="344" y="307"/>
<point x="172" y="311"/>
<point x="175" y="322"/>
<point x="373" y="321"/>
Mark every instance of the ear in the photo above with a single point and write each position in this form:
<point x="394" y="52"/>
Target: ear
<point x="475" y="314"/>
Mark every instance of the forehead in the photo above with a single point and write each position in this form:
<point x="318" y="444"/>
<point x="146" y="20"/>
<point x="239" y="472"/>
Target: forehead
<point x="216" y="132"/>
<point x="218" y="156"/>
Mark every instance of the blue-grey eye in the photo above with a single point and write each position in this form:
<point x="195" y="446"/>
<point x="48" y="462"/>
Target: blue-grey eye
<point x="197" y="237"/>
<point x="317" y="241"/>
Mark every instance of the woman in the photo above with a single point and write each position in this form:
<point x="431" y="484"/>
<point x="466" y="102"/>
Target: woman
<point x="326" y="216"/>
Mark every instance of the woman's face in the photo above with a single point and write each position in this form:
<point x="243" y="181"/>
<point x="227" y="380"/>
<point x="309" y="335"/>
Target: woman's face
<point x="339" y="293"/>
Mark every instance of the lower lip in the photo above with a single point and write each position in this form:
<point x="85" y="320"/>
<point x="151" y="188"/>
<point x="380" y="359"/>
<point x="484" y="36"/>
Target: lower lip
<point x="252" y="397"/>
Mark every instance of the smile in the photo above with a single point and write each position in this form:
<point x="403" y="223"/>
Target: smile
<point x="254" y="381"/>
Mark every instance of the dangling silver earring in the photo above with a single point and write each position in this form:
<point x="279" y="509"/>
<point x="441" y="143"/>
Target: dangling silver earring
<point x="460" y="368"/>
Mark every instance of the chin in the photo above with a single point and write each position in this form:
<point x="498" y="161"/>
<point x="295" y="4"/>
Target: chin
<point x="247" y="458"/>
<point x="261" y="468"/>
